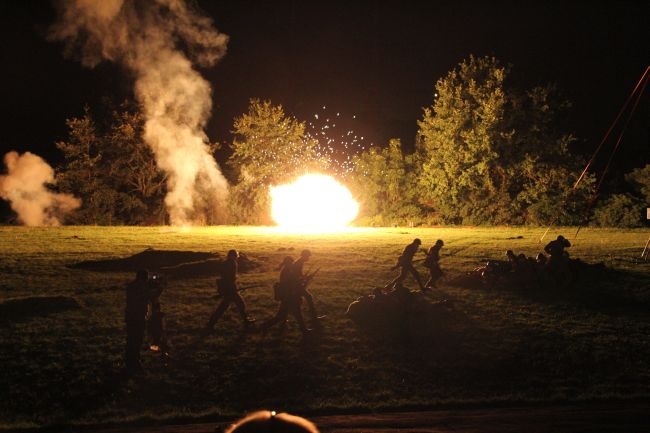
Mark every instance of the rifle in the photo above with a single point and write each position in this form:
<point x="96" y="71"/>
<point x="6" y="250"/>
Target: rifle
<point x="240" y="289"/>
<point x="307" y="278"/>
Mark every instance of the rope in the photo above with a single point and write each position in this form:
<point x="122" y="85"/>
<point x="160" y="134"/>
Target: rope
<point x="641" y="84"/>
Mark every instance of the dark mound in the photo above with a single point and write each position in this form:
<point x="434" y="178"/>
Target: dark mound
<point x="20" y="309"/>
<point x="498" y="274"/>
<point x="150" y="259"/>
<point x="401" y="312"/>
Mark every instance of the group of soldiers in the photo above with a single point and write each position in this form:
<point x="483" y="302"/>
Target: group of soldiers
<point x="523" y="271"/>
<point x="143" y="305"/>
<point x="143" y="294"/>
<point x="405" y="264"/>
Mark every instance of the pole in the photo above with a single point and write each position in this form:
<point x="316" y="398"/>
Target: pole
<point x="644" y="254"/>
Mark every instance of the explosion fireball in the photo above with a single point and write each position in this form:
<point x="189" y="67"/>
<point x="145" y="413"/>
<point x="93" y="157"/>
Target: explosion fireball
<point x="314" y="203"/>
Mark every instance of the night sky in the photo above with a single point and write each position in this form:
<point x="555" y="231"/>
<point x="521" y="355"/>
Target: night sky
<point x="376" y="60"/>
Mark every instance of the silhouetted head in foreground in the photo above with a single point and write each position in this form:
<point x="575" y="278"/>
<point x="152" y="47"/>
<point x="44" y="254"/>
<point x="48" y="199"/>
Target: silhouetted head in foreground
<point x="305" y="254"/>
<point x="233" y="254"/>
<point x="265" y="421"/>
<point x="417" y="241"/>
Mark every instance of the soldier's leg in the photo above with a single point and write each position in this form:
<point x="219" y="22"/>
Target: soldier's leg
<point x="294" y="309"/>
<point x="416" y="275"/>
<point x="310" y="303"/>
<point x="399" y="279"/>
<point x="223" y="306"/>
<point x="134" y="340"/>
<point x="241" y="307"/>
<point x="279" y="317"/>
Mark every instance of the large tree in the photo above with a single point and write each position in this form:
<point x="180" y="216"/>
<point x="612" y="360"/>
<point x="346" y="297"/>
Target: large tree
<point x="269" y="148"/>
<point x="112" y="170"/>
<point x="493" y="152"/>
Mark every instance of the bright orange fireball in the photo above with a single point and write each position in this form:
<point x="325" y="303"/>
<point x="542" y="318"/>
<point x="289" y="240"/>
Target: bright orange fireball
<point x="314" y="202"/>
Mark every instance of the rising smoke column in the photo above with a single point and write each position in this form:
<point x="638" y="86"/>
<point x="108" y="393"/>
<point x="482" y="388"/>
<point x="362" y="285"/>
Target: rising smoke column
<point x="145" y="36"/>
<point x="24" y="186"/>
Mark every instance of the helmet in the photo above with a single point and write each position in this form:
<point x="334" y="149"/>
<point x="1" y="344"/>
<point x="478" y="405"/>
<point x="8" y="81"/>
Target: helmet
<point x="233" y="254"/>
<point x="305" y="253"/>
<point x="439" y="242"/>
<point x="417" y="241"/>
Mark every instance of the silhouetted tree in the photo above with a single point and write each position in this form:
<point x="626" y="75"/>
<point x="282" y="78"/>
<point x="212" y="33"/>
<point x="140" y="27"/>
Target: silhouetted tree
<point x="112" y="170"/>
<point x="626" y="209"/>
<point x="492" y="153"/>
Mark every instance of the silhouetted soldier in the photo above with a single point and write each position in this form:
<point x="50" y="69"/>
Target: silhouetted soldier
<point x="405" y="262"/>
<point x="558" y="262"/>
<point x="432" y="263"/>
<point x="513" y="261"/>
<point x="290" y="300"/>
<point x="556" y="249"/>
<point x="157" y="322"/>
<point x="137" y="299"/>
<point x="229" y="291"/>
<point x="299" y="282"/>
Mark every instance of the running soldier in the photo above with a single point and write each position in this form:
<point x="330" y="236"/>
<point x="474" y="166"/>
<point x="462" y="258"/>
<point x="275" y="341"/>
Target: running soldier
<point x="405" y="262"/>
<point x="432" y="263"/>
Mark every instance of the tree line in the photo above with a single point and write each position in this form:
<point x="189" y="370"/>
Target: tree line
<point x="487" y="151"/>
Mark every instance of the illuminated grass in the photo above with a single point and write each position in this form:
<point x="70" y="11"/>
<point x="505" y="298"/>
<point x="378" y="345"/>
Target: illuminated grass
<point x="589" y="342"/>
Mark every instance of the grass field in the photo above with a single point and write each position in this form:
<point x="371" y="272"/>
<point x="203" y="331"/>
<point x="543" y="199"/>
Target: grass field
<point x="499" y="346"/>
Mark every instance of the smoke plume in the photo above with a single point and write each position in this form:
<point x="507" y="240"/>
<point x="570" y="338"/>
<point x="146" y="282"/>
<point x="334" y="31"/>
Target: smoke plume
<point x="157" y="41"/>
<point x="24" y="186"/>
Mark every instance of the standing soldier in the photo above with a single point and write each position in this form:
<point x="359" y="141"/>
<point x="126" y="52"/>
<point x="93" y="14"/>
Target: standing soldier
<point x="229" y="291"/>
<point x="137" y="299"/>
<point x="405" y="262"/>
<point x="299" y="282"/>
<point x="432" y="263"/>
<point x="289" y="299"/>
<point x="157" y="321"/>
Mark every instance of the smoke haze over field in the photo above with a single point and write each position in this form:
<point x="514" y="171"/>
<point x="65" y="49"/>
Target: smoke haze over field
<point x="24" y="186"/>
<point x="146" y="37"/>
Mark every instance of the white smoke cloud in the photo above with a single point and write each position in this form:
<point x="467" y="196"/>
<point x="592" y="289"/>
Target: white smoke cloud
<point x="146" y="37"/>
<point x="24" y="186"/>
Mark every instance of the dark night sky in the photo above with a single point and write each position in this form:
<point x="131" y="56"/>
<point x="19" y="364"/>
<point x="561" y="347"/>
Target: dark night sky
<point x="378" y="60"/>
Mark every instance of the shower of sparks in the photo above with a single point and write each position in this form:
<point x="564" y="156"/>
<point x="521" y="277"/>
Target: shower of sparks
<point x="337" y="142"/>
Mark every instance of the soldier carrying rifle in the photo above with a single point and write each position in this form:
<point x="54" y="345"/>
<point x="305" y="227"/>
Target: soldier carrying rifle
<point x="289" y="300"/>
<point x="300" y="281"/>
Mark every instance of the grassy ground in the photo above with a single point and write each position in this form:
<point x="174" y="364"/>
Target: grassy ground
<point x="589" y="342"/>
